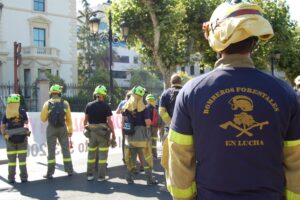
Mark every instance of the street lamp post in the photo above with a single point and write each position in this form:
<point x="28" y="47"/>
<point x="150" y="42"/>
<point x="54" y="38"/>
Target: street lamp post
<point x="111" y="84"/>
<point x="94" y="24"/>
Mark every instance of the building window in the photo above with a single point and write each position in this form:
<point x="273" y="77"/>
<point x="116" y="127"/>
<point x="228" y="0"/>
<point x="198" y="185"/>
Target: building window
<point x="183" y="69"/>
<point x="192" y="70"/>
<point x="39" y="39"/>
<point x="135" y="60"/>
<point x="27" y="81"/>
<point x="39" y="5"/>
<point x="43" y="72"/>
<point x="123" y="59"/>
<point x="119" y="74"/>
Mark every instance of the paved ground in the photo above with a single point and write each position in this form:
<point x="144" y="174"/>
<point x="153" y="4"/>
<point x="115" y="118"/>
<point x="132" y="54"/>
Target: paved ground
<point x="76" y="186"/>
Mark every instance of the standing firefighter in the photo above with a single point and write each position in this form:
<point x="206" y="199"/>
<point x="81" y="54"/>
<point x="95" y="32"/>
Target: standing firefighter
<point x="235" y="131"/>
<point x="58" y="113"/>
<point x="167" y="101"/>
<point x="15" y="136"/>
<point x="99" y="126"/>
<point x="137" y="137"/>
<point x="151" y="106"/>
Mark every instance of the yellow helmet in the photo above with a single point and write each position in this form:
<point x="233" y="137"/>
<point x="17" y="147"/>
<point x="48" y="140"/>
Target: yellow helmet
<point x="242" y="102"/>
<point x="235" y="21"/>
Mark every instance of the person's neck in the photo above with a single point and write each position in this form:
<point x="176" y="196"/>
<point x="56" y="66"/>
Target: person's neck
<point x="225" y="55"/>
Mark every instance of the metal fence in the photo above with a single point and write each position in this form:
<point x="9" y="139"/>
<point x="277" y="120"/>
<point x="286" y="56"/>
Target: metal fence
<point x="78" y="95"/>
<point x="29" y="98"/>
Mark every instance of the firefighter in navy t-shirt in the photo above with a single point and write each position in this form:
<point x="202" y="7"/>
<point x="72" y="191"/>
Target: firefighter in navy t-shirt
<point x="15" y="136"/>
<point x="138" y="141"/>
<point x="235" y="131"/>
<point x="98" y="121"/>
<point x="167" y="99"/>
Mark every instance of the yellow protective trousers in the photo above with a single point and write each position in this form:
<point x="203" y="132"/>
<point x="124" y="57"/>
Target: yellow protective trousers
<point x="14" y="151"/>
<point x="154" y="138"/>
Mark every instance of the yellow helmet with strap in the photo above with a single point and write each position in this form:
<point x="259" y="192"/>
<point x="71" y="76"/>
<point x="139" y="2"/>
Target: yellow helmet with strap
<point x="234" y="21"/>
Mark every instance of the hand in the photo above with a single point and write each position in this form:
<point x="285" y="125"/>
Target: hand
<point x="113" y="136"/>
<point x="6" y="136"/>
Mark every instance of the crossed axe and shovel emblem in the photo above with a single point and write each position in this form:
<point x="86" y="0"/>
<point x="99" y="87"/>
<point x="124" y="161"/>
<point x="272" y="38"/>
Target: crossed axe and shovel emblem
<point x="244" y="130"/>
<point x="243" y="122"/>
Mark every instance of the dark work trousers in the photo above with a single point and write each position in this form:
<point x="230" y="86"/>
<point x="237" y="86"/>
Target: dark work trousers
<point x="14" y="151"/>
<point x="60" y="134"/>
<point x="98" y="144"/>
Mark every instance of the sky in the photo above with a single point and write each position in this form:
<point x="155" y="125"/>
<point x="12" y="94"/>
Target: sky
<point x="294" y="4"/>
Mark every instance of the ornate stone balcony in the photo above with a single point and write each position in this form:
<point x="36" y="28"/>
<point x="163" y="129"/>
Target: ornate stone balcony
<point x="46" y="52"/>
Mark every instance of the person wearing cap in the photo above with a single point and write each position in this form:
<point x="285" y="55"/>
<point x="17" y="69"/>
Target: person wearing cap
<point x="139" y="140"/>
<point x="60" y="131"/>
<point x="151" y="106"/>
<point x="235" y="131"/>
<point x="15" y="134"/>
<point x="297" y="86"/>
<point x="98" y="121"/>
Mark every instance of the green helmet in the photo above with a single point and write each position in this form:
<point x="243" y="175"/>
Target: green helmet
<point x="150" y="97"/>
<point x="100" y="89"/>
<point x="55" y="89"/>
<point x="138" y="90"/>
<point x="13" y="98"/>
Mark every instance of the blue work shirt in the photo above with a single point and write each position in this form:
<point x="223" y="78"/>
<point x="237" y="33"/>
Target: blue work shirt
<point x="239" y="119"/>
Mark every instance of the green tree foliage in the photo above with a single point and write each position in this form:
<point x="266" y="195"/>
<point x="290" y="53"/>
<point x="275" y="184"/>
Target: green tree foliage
<point x="148" y="80"/>
<point x="168" y="32"/>
<point x="93" y="56"/>
<point x="93" y="51"/>
<point x="156" y="31"/>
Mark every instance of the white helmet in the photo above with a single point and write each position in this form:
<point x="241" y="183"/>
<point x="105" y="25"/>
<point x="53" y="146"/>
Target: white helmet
<point x="234" y="21"/>
<point x="297" y="80"/>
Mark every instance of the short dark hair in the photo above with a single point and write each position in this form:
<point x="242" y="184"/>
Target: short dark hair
<point x="244" y="46"/>
<point x="175" y="79"/>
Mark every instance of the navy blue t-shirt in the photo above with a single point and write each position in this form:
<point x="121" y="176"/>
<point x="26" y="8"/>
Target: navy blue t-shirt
<point x="239" y="118"/>
<point x="17" y="122"/>
<point x="167" y="99"/>
<point x="140" y="117"/>
<point x="98" y="111"/>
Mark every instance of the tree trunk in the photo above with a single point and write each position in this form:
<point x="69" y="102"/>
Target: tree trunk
<point x="156" y="44"/>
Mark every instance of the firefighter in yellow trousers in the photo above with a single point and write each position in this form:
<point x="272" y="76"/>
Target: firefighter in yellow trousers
<point x="235" y="131"/>
<point x="58" y="114"/>
<point x="137" y="137"/>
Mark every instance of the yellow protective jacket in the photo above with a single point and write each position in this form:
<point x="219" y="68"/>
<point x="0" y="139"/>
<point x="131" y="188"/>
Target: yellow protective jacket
<point x="68" y="119"/>
<point x="179" y="159"/>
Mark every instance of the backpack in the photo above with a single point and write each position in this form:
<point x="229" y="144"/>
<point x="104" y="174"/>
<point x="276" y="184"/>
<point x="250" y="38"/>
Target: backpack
<point x="56" y="116"/>
<point x="154" y="120"/>
<point x="174" y="93"/>
<point x="128" y="126"/>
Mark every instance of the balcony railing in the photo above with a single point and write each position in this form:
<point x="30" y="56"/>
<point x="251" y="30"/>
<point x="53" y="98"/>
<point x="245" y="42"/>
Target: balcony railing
<point x="40" y="51"/>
